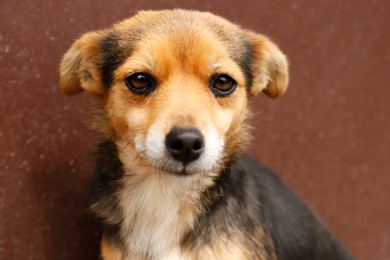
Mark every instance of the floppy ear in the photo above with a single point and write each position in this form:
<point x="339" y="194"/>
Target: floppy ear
<point x="80" y="66"/>
<point x="270" y="68"/>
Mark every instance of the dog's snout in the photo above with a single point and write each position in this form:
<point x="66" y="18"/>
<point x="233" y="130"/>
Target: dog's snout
<point x="184" y="144"/>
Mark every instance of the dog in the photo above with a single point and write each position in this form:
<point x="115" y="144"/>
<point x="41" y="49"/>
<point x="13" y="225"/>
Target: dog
<point x="171" y="180"/>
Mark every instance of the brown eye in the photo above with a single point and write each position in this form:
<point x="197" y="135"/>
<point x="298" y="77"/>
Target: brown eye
<point x="141" y="83"/>
<point x="222" y="85"/>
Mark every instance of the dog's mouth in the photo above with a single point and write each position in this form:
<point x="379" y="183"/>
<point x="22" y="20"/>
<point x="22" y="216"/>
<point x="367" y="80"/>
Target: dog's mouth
<point x="166" y="164"/>
<point x="182" y="173"/>
<point x="172" y="167"/>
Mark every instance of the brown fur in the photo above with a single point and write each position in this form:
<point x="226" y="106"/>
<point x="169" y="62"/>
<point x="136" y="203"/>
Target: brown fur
<point x="79" y="67"/>
<point x="181" y="50"/>
<point x="110" y="251"/>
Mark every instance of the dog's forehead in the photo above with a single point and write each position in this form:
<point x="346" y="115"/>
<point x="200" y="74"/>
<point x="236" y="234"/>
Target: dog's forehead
<point x="181" y="28"/>
<point x="170" y="21"/>
<point x="179" y="33"/>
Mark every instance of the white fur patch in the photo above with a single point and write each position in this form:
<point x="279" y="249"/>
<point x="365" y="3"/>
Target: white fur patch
<point x="158" y="208"/>
<point x="154" y="150"/>
<point x="211" y="155"/>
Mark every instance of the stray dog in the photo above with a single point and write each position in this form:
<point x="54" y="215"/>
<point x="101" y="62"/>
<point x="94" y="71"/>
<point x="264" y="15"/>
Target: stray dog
<point x="171" y="181"/>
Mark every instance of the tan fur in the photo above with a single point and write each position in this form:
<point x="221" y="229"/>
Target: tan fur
<point x="157" y="207"/>
<point x="272" y="67"/>
<point x="79" y="66"/>
<point x="109" y="251"/>
<point x="225" y="248"/>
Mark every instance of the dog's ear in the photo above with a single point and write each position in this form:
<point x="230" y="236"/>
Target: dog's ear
<point x="270" y="69"/>
<point x="80" y="66"/>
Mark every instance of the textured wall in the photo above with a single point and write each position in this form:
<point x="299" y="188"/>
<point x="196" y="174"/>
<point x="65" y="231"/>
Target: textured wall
<point x="328" y="137"/>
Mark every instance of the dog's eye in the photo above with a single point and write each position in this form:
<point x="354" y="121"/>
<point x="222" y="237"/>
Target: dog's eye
<point x="141" y="83"/>
<point x="222" y="85"/>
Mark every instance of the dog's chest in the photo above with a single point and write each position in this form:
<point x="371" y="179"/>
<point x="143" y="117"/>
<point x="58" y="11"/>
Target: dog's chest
<point x="157" y="211"/>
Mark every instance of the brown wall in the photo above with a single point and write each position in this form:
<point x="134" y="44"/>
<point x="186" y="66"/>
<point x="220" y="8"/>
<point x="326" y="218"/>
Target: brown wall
<point x="328" y="137"/>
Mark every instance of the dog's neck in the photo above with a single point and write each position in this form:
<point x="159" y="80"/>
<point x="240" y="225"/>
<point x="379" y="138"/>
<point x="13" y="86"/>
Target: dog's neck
<point x="158" y="208"/>
<point x="151" y="214"/>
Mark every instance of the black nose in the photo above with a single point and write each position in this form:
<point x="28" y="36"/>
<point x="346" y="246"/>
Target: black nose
<point x="184" y="144"/>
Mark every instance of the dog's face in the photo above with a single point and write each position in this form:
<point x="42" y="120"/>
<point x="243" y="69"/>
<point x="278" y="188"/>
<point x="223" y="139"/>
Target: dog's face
<point x="174" y="86"/>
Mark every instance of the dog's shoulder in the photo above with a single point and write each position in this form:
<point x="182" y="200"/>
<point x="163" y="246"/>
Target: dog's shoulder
<point x="296" y="231"/>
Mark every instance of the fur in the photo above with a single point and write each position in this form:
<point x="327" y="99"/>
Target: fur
<point x="221" y="205"/>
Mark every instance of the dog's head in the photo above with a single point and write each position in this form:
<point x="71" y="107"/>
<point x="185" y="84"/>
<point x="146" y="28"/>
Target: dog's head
<point x="175" y="85"/>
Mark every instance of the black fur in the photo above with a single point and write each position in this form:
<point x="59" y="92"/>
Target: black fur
<point x="112" y="57"/>
<point x="231" y="209"/>
<point x="246" y="63"/>
<point x="246" y="198"/>
<point x="296" y="232"/>
<point x="106" y="182"/>
<point x="108" y="171"/>
<point x="252" y="196"/>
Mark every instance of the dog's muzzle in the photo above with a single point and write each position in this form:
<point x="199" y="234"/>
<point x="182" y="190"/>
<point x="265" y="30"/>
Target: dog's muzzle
<point x="184" y="144"/>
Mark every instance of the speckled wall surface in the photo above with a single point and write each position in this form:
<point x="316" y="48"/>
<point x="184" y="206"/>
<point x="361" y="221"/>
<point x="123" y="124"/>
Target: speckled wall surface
<point x="328" y="137"/>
